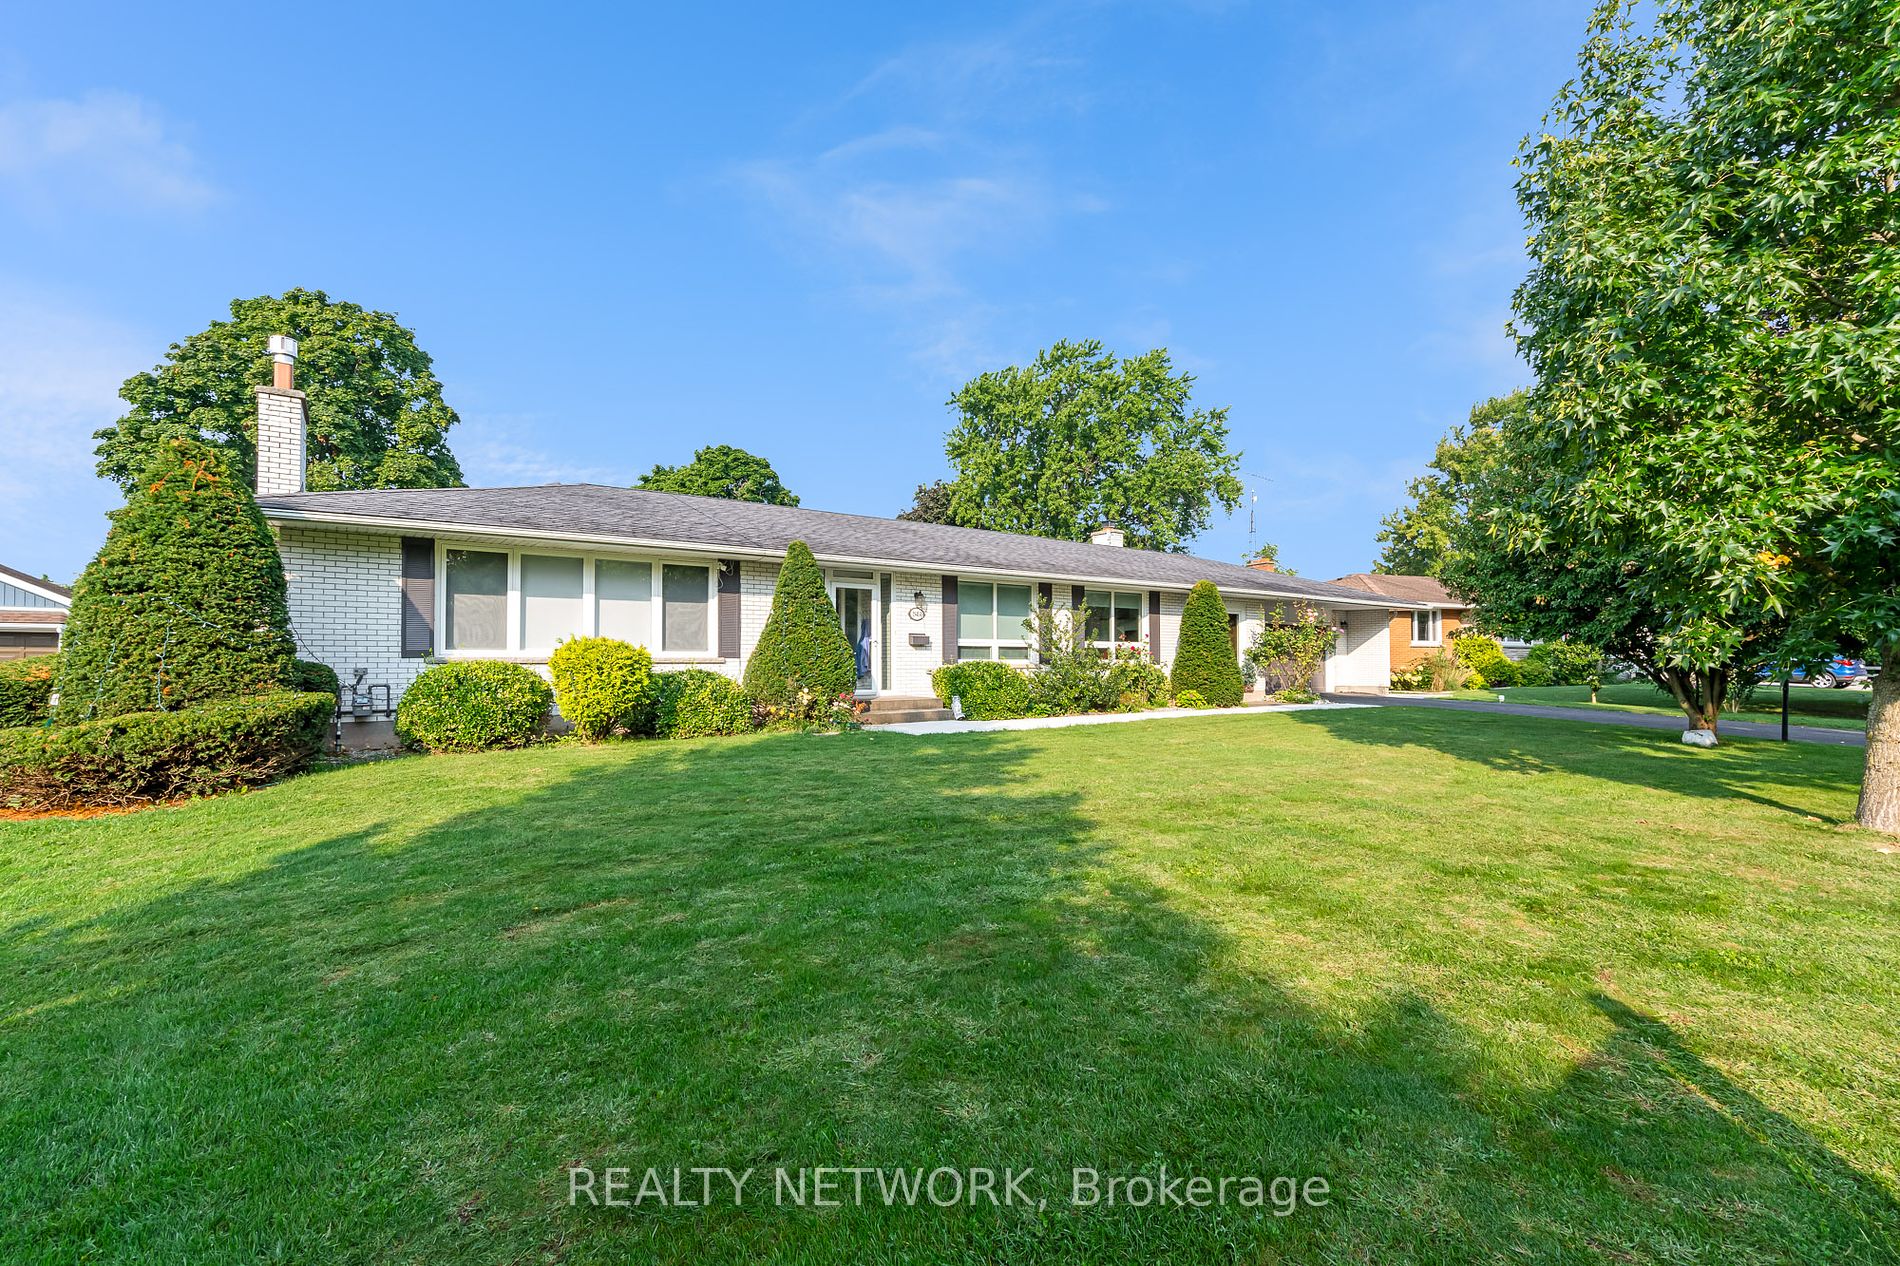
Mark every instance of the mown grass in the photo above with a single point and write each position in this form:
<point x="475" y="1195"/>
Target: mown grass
<point x="1520" y="990"/>
<point x="1807" y="705"/>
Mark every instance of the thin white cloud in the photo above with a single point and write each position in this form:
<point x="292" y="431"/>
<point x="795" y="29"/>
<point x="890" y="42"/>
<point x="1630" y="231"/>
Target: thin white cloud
<point x="1480" y="341"/>
<point x="102" y="149"/>
<point x="900" y="191"/>
<point x="60" y="371"/>
<point x="495" y="451"/>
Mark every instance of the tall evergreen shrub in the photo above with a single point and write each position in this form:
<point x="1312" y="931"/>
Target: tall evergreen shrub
<point x="802" y="650"/>
<point x="184" y="602"/>
<point x="1204" y="661"/>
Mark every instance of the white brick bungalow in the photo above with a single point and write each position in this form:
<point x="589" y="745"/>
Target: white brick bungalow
<point x="384" y="582"/>
<point x="32" y="614"/>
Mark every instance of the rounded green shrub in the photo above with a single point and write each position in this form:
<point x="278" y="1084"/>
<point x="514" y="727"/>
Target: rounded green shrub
<point x="990" y="691"/>
<point x="142" y="757"/>
<point x="803" y="657"/>
<point x="26" y="690"/>
<point x="185" y="600"/>
<point x="1204" y="659"/>
<point x="469" y="705"/>
<point x="1485" y="657"/>
<point x="1190" y="699"/>
<point x="694" y="703"/>
<point x="602" y="686"/>
<point x="1561" y="663"/>
<point x="314" y="677"/>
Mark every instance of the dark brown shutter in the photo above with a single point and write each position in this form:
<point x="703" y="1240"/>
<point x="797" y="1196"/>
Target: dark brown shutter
<point x="729" y="608"/>
<point x="1075" y="596"/>
<point x="1046" y="592"/>
<point x="418" y="596"/>
<point x="949" y="619"/>
<point x="1154" y="625"/>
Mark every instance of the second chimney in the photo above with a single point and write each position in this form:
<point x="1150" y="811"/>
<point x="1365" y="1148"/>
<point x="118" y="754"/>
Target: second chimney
<point x="282" y="417"/>
<point x="1107" y="534"/>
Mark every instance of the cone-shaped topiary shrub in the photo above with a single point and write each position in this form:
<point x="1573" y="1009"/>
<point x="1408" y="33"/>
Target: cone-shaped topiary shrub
<point x="1204" y="661"/>
<point x="803" y="654"/>
<point x="185" y="600"/>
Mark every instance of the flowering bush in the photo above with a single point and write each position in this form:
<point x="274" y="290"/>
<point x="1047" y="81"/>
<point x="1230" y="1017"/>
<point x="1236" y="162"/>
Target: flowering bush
<point x="1288" y="653"/>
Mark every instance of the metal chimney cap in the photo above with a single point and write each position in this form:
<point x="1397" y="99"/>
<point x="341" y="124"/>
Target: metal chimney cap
<point x="283" y="348"/>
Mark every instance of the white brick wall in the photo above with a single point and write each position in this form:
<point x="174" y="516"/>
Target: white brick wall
<point x="346" y="604"/>
<point x="345" y="609"/>
<point x="911" y="666"/>
<point x="280" y="441"/>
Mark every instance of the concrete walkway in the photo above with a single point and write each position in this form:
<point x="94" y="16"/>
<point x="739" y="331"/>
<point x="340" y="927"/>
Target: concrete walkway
<point x="1105" y="718"/>
<point x="1646" y="720"/>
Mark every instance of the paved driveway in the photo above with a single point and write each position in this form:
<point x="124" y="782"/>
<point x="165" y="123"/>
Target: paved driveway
<point x="1646" y="720"/>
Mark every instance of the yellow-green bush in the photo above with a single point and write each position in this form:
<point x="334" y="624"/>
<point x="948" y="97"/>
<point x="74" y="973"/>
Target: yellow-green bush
<point x="603" y="686"/>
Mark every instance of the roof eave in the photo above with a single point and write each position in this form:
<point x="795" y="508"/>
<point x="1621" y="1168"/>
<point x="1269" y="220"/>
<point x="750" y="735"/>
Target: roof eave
<point x="451" y="528"/>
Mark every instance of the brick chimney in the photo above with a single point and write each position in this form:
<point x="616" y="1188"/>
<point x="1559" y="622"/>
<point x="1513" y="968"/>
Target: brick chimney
<point x="282" y="415"/>
<point x="1263" y="564"/>
<point x="1107" y="534"/>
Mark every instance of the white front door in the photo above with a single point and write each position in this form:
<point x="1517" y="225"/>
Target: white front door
<point x="857" y="612"/>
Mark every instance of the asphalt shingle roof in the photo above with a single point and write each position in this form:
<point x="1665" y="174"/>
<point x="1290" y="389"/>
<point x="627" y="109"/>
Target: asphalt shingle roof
<point x="1408" y="588"/>
<point x="596" y="511"/>
<point x="62" y="590"/>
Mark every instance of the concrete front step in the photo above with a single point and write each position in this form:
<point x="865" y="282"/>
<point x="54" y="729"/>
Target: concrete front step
<point x="894" y="709"/>
<point x="895" y="717"/>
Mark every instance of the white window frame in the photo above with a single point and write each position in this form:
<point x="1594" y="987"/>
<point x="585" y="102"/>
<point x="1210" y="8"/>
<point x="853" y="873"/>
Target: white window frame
<point x="589" y="607"/>
<point x="1110" y="645"/>
<point x="1437" y="637"/>
<point x="995" y="642"/>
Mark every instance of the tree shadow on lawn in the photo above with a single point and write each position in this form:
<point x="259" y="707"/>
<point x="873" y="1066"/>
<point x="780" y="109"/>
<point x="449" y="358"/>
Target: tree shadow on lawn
<point x="394" y="1043"/>
<point x="1745" y="769"/>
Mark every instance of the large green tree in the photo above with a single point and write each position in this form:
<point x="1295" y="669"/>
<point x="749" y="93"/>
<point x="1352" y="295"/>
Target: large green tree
<point x="1713" y="318"/>
<point x="185" y="601"/>
<point x="722" y="471"/>
<point x="933" y="504"/>
<point x="1417" y="537"/>
<point x="1082" y="437"/>
<point x="1530" y="574"/>
<point x="377" y="418"/>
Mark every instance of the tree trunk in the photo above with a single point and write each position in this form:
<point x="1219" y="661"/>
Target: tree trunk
<point x="1880" y="781"/>
<point x="1697" y="696"/>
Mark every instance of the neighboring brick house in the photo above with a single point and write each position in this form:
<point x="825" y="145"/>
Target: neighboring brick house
<point x="383" y="582"/>
<point x="1426" y="626"/>
<point x="32" y="614"/>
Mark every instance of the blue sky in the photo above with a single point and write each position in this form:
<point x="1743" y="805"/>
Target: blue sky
<point x="623" y="236"/>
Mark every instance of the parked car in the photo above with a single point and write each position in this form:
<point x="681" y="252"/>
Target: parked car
<point x="1839" y="673"/>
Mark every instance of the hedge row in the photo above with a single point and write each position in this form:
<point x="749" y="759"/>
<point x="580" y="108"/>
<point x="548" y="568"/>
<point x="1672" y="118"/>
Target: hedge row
<point x="990" y="690"/>
<point x="26" y="690"/>
<point x="141" y="757"/>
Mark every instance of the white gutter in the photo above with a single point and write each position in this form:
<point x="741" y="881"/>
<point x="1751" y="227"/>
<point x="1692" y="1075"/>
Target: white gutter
<point x="428" y="527"/>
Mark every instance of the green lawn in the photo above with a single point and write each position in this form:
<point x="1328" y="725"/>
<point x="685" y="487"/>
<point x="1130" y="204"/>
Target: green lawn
<point x="1831" y="709"/>
<point x="1519" y="990"/>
